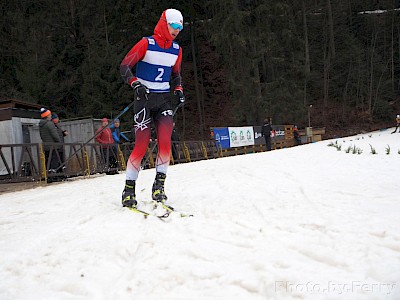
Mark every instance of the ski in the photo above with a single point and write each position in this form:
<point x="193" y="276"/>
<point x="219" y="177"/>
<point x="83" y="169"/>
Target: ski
<point x="167" y="212"/>
<point x="147" y="214"/>
<point x="158" y="210"/>
<point x="171" y="210"/>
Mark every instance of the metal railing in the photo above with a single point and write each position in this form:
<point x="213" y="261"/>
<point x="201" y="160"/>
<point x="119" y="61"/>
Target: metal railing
<point x="30" y="162"/>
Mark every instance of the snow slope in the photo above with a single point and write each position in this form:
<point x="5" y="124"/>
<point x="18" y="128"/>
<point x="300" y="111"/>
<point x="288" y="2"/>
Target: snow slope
<point x="308" y="222"/>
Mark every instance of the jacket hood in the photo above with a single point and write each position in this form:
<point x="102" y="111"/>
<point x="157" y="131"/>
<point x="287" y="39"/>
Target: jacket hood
<point x="161" y="32"/>
<point x="42" y="122"/>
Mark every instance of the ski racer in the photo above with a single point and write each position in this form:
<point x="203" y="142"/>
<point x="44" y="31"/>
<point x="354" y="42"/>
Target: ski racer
<point x="157" y="61"/>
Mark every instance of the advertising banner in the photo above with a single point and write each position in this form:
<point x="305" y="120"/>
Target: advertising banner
<point x="221" y="137"/>
<point x="277" y="134"/>
<point x="229" y="137"/>
<point x="241" y="136"/>
<point x="258" y="138"/>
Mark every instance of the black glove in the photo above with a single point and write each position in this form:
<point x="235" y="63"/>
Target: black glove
<point x="140" y="89"/>
<point x="180" y="95"/>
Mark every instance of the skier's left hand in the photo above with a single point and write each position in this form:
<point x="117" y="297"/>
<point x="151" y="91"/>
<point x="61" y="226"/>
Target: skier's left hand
<point x="179" y="93"/>
<point x="140" y="89"/>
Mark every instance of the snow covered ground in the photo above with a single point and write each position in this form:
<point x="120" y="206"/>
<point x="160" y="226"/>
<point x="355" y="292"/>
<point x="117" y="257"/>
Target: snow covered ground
<point x="308" y="222"/>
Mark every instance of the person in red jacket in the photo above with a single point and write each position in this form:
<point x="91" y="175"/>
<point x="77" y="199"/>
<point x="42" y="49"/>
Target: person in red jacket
<point x="157" y="61"/>
<point x="107" y="147"/>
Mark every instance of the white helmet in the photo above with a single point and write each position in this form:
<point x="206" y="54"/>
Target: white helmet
<point x="175" y="17"/>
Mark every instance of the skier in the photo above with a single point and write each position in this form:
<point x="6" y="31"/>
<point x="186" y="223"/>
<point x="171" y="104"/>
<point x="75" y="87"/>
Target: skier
<point x="157" y="60"/>
<point x="397" y="124"/>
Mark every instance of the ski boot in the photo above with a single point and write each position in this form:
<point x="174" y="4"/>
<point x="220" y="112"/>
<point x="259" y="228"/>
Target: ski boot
<point x="158" y="193"/>
<point x="128" y="195"/>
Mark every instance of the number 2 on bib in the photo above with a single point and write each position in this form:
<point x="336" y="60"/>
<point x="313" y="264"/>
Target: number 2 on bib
<point x="159" y="76"/>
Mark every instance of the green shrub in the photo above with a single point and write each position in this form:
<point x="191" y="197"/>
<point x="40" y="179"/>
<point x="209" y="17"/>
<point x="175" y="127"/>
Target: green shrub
<point x="373" y="151"/>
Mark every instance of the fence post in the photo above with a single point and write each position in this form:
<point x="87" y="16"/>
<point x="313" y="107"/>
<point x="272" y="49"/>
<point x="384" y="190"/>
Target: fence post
<point x="86" y="158"/>
<point x="187" y="153"/>
<point x="220" y="151"/>
<point x="204" y="150"/>
<point x="42" y="163"/>
<point x="121" y="158"/>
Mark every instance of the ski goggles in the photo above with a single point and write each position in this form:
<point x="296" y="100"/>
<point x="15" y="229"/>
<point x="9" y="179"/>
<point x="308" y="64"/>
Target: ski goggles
<point x="176" y="26"/>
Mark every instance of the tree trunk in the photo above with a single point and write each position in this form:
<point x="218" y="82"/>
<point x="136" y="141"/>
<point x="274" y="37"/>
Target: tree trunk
<point x="106" y="27"/>
<point x="196" y="80"/>
<point x="307" y="68"/>
<point x="327" y="64"/>
<point x="371" y="77"/>
<point x="398" y="42"/>
<point x="344" y="95"/>
<point x="331" y="27"/>
<point x="392" y="65"/>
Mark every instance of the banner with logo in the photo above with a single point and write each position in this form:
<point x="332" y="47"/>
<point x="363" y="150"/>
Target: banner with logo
<point x="258" y="138"/>
<point x="241" y="136"/>
<point x="229" y="137"/>
<point x="221" y="137"/>
<point x="278" y="133"/>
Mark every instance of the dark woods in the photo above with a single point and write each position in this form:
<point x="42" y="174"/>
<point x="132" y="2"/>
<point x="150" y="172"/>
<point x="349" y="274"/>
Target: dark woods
<point x="243" y="60"/>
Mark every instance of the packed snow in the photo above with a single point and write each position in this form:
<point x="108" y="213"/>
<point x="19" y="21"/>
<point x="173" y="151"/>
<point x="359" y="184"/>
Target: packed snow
<point x="308" y="222"/>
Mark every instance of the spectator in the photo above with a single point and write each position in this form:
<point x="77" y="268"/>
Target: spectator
<point x="266" y="132"/>
<point x="48" y="134"/>
<point x="62" y="134"/>
<point x="296" y="135"/>
<point x="104" y="137"/>
<point x="397" y="124"/>
<point x="116" y="132"/>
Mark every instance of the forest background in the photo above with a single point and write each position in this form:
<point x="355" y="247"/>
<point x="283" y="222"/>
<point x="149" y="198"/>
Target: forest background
<point x="331" y="63"/>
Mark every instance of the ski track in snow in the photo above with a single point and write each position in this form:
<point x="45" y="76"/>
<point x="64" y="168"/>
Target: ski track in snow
<point x="279" y="225"/>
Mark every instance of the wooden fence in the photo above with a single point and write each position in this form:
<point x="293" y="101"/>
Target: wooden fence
<point x="26" y="162"/>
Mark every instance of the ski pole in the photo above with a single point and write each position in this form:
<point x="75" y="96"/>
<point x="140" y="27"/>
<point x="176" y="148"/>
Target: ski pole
<point x="97" y="133"/>
<point x="155" y="143"/>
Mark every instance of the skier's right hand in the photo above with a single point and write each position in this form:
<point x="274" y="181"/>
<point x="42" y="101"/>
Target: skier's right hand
<point x="140" y="89"/>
